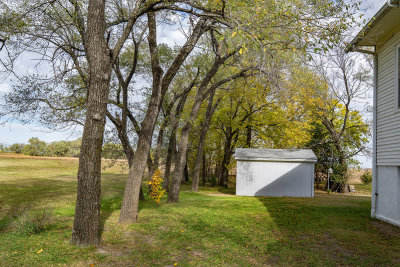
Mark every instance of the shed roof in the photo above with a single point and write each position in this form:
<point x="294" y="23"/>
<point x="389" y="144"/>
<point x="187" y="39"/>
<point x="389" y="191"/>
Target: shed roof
<point x="293" y="155"/>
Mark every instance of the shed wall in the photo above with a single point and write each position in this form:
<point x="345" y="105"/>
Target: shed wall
<point x="261" y="178"/>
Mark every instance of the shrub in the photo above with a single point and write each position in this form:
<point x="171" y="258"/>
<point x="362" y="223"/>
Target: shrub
<point x="113" y="151"/>
<point x="58" y="149"/>
<point x="212" y="180"/>
<point x="31" y="222"/>
<point x="366" y="177"/>
<point x="15" y="148"/>
<point x="156" y="191"/>
<point x="35" y="147"/>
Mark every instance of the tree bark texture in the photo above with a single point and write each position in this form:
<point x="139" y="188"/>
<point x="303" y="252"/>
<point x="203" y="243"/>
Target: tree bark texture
<point x="202" y="140"/>
<point x="130" y="202"/>
<point x="171" y="152"/>
<point x="186" y="172"/>
<point x="248" y="136"/>
<point x="157" y="154"/>
<point x="86" y="228"/>
<point x="204" y="171"/>
<point x="224" y="172"/>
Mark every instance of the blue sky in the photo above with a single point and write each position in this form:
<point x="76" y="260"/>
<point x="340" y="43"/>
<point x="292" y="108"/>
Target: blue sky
<point x="15" y="132"/>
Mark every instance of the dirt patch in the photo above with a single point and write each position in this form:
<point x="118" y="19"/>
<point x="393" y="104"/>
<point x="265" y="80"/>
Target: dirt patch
<point x="139" y="237"/>
<point x="113" y="252"/>
<point x="359" y="194"/>
<point x="386" y="229"/>
<point x="272" y="261"/>
<point x="22" y="156"/>
<point x="217" y="194"/>
<point x="331" y="246"/>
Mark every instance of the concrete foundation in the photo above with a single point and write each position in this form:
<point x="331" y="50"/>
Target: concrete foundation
<point x="387" y="197"/>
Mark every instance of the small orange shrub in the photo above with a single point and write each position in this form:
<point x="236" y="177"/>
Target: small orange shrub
<point x="156" y="191"/>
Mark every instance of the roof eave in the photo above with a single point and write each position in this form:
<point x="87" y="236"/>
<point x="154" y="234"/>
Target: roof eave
<point x="365" y="30"/>
<point x="300" y="160"/>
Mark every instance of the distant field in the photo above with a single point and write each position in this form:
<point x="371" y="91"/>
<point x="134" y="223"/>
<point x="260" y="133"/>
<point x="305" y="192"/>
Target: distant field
<point x="355" y="175"/>
<point x="208" y="228"/>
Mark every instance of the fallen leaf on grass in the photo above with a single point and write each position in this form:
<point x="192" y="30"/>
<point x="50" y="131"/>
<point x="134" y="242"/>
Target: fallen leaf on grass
<point x="40" y="251"/>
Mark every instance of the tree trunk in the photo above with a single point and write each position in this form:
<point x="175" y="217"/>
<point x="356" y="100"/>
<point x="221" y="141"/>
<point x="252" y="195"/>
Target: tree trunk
<point x="204" y="172"/>
<point x="168" y="161"/>
<point x="180" y="162"/>
<point x="248" y="136"/>
<point x="340" y="186"/>
<point x="86" y="228"/>
<point x="186" y="172"/>
<point x="129" y="155"/>
<point x="150" y="164"/>
<point x="173" y="195"/>
<point x="202" y="92"/>
<point x="130" y="202"/>
<point x="224" y="172"/>
<point x="202" y="140"/>
<point x="129" y="208"/>
<point x="172" y="138"/>
<point x="123" y="137"/>
<point x="157" y="154"/>
<point x="216" y="172"/>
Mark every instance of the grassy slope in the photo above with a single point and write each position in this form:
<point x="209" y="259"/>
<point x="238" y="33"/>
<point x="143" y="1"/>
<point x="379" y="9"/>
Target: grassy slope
<point x="205" y="228"/>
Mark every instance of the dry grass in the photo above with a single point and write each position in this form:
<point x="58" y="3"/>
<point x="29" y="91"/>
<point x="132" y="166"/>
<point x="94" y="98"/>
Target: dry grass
<point x="204" y="229"/>
<point x="355" y="175"/>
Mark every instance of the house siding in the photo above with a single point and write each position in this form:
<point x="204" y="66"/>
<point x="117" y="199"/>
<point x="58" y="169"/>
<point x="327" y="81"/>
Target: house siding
<point x="387" y="116"/>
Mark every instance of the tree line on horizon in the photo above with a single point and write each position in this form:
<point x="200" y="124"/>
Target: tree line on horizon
<point x="63" y="148"/>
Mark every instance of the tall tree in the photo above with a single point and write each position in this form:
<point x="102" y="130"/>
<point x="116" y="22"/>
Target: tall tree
<point x="211" y="107"/>
<point x="339" y="132"/>
<point x="160" y="85"/>
<point x="78" y="32"/>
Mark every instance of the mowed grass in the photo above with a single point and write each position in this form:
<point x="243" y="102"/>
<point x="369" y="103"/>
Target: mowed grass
<point x="208" y="228"/>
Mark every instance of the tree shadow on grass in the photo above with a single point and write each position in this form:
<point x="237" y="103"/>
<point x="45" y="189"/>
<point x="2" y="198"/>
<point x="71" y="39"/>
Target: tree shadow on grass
<point x="230" y="188"/>
<point x="30" y="194"/>
<point x="335" y="229"/>
<point x="227" y="190"/>
<point x="111" y="204"/>
<point x="108" y="206"/>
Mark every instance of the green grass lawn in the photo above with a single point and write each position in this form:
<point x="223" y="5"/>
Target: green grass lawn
<point x="208" y="228"/>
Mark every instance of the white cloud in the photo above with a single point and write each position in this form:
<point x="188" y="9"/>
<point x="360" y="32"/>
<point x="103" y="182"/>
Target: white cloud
<point x="5" y="88"/>
<point x="171" y="37"/>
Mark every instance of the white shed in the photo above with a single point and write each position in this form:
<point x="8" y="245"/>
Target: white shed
<point x="381" y="38"/>
<point x="275" y="172"/>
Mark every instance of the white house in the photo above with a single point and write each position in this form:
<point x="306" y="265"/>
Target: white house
<point x="275" y="172"/>
<point x="381" y="38"/>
